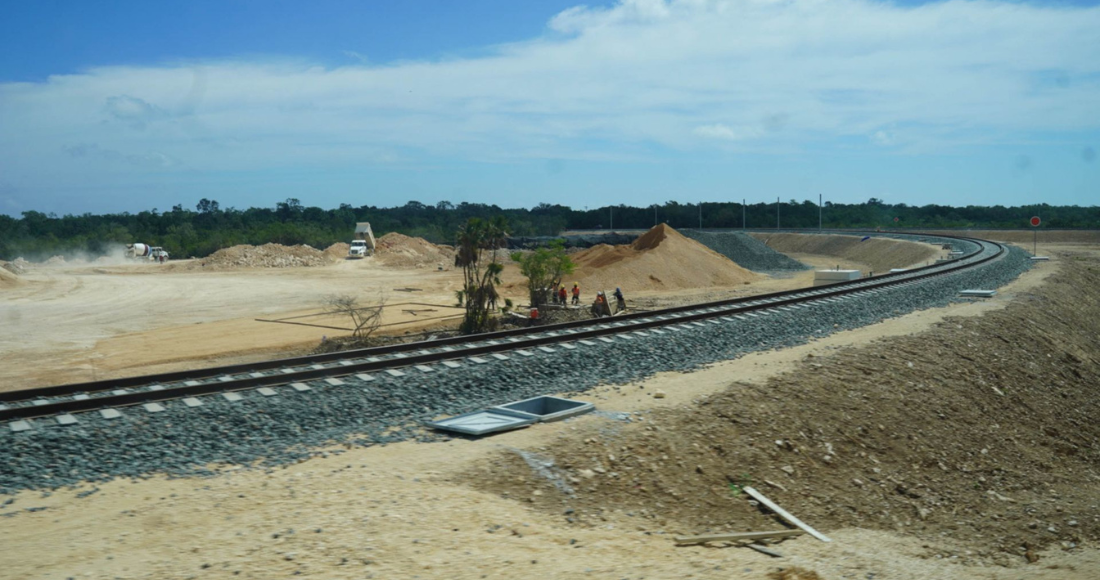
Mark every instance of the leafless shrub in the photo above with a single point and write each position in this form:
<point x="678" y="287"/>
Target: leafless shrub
<point x="364" y="319"/>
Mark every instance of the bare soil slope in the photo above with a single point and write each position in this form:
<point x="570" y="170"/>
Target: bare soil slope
<point x="661" y="259"/>
<point x="980" y="432"/>
<point x="879" y="254"/>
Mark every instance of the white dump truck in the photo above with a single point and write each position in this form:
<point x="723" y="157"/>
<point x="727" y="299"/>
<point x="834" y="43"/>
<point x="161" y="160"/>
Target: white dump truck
<point x="146" y="252"/>
<point x="362" y="245"/>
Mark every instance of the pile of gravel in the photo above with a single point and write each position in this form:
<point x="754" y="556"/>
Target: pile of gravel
<point x="284" y="429"/>
<point x="746" y="251"/>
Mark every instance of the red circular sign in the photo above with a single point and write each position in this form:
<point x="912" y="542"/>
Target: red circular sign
<point x="896" y="220"/>
<point x="1035" y="221"/>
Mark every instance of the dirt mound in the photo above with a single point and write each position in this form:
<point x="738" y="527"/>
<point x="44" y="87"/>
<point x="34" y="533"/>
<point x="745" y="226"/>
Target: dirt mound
<point x="337" y="251"/>
<point x="265" y="256"/>
<point x="879" y="254"/>
<point x="55" y="261"/>
<point x="400" y="251"/>
<point x="7" y="276"/>
<point x="661" y="259"/>
<point x="980" y="432"/>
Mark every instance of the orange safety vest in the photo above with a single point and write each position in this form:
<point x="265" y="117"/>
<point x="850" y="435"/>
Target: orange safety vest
<point x="576" y="291"/>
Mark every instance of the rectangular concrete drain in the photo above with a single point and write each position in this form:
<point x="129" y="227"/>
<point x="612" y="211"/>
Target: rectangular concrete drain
<point x="478" y="360"/>
<point x="499" y="356"/>
<point x="300" y="387"/>
<point x="365" y="377"/>
<point x="267" y="391"/>
<point x="451" y="364"/>
<point x="978" y="293"/>
<point x="110" y="413"/>
<point x="483" y="422"/>
<point x="66" y="419"/>
<point x="547" y="408"/>
<point x="192" y="402"/>
<point x="154" y="407"/>
<point x="23" y="425"/>
<point x="424" y="368"/>
<point x="334" y="382"/>
<point x="394" y="373"/>
<point x="232" y="397"/>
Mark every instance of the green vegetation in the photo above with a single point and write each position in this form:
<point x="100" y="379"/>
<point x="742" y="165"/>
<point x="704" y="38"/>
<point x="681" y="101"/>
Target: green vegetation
<point x="476" y="251"/>
<point x="200" y="232"/>
<point x="544" y="269"/>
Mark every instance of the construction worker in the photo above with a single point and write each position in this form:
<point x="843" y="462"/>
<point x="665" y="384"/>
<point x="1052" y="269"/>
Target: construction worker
<point x="600" y="306"/>
<point x="619" y="299"/>
<point x="562" y="294"/>
<point x="576" y="294"/>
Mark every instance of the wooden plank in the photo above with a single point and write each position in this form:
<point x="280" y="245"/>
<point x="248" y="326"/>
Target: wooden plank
<point x="739" y="536"/>
<point x="785" y="515"/>
<point x="764" y="550"/>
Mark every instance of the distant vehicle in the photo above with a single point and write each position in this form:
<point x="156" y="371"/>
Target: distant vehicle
<point x="146" y="252"/>
<point x="362" y="245"/>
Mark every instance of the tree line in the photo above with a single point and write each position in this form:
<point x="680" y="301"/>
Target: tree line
<point x="199" y="232"/>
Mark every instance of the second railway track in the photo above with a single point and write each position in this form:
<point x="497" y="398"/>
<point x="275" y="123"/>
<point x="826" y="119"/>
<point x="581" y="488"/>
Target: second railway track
<point x="190" y="387"/>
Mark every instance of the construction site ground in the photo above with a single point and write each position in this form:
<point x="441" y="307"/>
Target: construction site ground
<point x="79" y="322"/>
<point x="956" y="439"/>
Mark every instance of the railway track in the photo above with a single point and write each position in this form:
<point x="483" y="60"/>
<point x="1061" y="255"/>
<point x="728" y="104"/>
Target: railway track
<point x="147" y="393"/>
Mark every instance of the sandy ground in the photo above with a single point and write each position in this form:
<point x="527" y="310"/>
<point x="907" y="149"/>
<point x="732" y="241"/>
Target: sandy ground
<point x="401" y="511"/>
<point x="76" y="323"/>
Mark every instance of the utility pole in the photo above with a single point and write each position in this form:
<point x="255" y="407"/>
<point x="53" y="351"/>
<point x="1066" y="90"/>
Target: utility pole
<point x="819" y="212"/>
<point x="743" y="214"/>
<point x="611" y="210"/>
<point x="777" y="212"/>
<point x="700" y="215"/>
<point x="654" y="214"/>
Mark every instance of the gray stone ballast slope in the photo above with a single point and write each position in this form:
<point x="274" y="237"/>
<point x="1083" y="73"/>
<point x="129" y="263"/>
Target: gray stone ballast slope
<point x="746" y="251"/>
<point x="291" y="426"/>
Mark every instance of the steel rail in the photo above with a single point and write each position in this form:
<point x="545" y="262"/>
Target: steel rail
<point x="489" y="344"/>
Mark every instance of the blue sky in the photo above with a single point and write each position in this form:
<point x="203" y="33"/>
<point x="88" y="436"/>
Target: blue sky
<point x="127" y="106"/>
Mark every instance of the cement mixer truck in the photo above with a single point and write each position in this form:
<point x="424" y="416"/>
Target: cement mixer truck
<point x="146" y="252"/>
<point x="362" y="245"/>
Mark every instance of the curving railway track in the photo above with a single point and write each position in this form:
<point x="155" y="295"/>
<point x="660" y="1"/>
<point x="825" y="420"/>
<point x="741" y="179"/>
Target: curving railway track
<point x="109" y="397"/>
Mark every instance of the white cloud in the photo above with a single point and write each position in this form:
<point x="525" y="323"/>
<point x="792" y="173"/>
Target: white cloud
<point x="603" y="84"/>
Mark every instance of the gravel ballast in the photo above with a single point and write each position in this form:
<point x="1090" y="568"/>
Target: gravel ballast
<point x="286" y="428"/>
<point x="746" y="251"/>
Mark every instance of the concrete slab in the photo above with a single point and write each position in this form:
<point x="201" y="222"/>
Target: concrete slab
<point x="395" y="373"/>
<point x="452" y="364"/>
<point x="267" y="391"/>
<point x="232" y="397"/>
<point x="317" y="366"/>
<point x="568" y="346"/>
<point x="605" y="339"/>
<point x="696" y="323"/>
<point x="477" y="360"/>
<point x="373" y="359"/>
<point x="154" y="407"/>
<point x="626" y="337"/>
<point x="40" y="402"/>
<point x="586" y="342"/>
<point x="978" y="293"/>
<point x="24" y="425"/>
<point x="226" y="378"/>
<point x="657" y="331"/>
<point x="425" y="369"/>
<point x="192" y="402"/>
<point x="334" y="382"/>
<point x="286" y="371"/>
<point x="110" y="413"/>
<point x="547" y="350"/>
<point x="255" y="375"/>
<point x="300" y="387"/>
<point x="400" y="355"/>
<point x="156" y="387"/>
<point x="424" y="351"/>
<point x="344" y="363"/>
<point x="547" y="409"/>
<point x="364" y="377"/>
<point x="66" y="419"/>
<point x="81" y="397"/>
<point x="499" y="356"/>
<point x="483" y="422"/>
<point x="191" y="383"/>
<point x="447" y="349"/>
